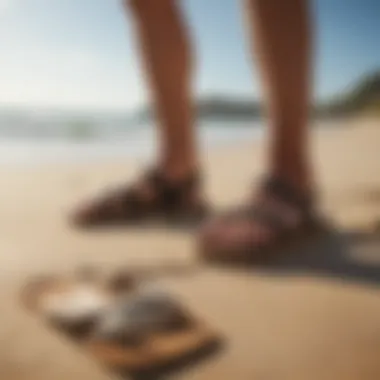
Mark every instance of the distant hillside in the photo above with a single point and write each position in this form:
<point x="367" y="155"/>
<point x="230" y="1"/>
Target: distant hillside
<point x="363" y="97"/>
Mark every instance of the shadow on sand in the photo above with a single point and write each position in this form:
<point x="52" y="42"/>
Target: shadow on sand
<point x="345" y="256"/>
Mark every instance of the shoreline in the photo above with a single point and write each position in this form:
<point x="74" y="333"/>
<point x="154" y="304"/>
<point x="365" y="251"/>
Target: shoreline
<point x="41" y="151"/>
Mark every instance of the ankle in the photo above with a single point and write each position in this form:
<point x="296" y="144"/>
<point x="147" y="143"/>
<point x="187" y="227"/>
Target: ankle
<point x="186" y="184"/>
<point x="179" y="172"/>
<point x="300" y="180"/>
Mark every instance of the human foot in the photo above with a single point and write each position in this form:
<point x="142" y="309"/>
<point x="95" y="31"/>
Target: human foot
<point x="153" y="197"/>
<point x="279" y="214"/>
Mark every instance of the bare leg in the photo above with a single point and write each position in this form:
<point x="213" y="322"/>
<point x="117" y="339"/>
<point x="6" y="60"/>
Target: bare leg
<point x="282" y="41"/>
<point x="166" y="55"/>
<point x="173" y="190"/>
<point x="282" y="209"/>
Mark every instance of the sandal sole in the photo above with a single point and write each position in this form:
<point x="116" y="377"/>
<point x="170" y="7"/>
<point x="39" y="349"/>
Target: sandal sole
<point x="262" y="255"/>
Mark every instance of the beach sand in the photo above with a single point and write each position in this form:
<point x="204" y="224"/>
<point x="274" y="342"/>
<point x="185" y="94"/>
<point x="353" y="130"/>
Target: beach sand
<point x="315" y="316"/>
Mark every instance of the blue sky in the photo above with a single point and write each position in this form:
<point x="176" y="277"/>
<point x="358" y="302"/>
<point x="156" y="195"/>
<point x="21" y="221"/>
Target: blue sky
<point x="80" y="53"/>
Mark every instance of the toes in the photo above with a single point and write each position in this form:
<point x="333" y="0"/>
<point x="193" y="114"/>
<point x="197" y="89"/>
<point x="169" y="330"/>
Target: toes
<point x="83" y="215"/>
<point x="220" y="238"/>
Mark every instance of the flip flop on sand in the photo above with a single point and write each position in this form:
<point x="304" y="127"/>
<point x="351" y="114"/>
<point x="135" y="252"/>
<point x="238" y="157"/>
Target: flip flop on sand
<point x="277" y="218"/>
<point x="132" y="329"/>
<point x="72" y="304"/>
<point x="154" y="198"/>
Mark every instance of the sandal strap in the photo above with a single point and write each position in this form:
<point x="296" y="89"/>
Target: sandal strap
<point x="286" y="192"/>
<point x="168" y="194"/>
<point x="159" y="182"/>
<point x="295" y="206"/>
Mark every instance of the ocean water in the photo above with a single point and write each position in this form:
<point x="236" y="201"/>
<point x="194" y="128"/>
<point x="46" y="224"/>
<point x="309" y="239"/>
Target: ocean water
<point x="38" y="138"/>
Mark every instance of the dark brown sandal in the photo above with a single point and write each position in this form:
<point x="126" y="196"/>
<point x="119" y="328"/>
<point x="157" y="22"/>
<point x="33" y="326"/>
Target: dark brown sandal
<point x="170" y="202"/>
<point x="277" y="219"/>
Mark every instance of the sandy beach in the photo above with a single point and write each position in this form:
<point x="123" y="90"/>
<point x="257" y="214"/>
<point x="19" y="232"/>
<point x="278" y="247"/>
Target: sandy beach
<point x="311" y="318"/>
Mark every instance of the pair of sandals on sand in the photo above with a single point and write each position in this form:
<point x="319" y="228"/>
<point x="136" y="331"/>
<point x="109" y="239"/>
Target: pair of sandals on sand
<point x="123" y="325"/>
<point x="278" y="214"/>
